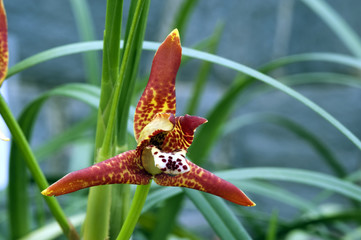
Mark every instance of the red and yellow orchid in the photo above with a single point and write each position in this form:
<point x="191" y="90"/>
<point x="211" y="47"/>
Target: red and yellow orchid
<point x="4" y="54"/>
<point x="162" y="138"/>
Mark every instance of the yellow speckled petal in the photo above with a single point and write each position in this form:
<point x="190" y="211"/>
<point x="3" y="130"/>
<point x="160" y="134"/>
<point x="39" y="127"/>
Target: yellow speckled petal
<point x="159" y="95"/>
<point x="4" y="55"/>
<point x="162" y="122"/>
<point x="181" y="137"/>
<point x="202" y="180"/>
<point x="125" y="168"/>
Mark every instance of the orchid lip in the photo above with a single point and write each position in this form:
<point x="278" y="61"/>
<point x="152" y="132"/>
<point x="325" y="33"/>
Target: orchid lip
<point x="155" y="161"/>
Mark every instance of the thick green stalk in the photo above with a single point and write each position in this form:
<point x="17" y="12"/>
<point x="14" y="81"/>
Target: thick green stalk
<point x="18" y="196"/>
<point x="35" y="170"/>
<point x="126" y="95"/>
<point x="141" y="194"/>
<point x="118" y="84"/>
<point x="96" y="225"/>
<point x="97" y="222"/>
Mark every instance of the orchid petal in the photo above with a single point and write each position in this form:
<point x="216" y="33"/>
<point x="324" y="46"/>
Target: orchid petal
<point x="181" y="137"/>
<point x="4" y="54"/>
<point x="202" y="180"/>
<point x="159" y="95"/>
<point x="162" y="122"/>
<point x="124" y="168"/>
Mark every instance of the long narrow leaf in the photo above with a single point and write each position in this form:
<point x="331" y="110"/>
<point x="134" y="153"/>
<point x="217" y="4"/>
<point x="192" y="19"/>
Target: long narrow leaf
<point x="352" y="216"/>
<point x="322" y="77"/>
<point x="157" y="196"/>
<point x="315" y="179"/>
<point x="203" y="73"/>
<point x="18" y="197"/>
<point x="326" y="154"/>
<point x="35" y="170"/>
<point x="227" y="216"/>
<point x="86" y="33"/>
<point x="76" y="48"/>
<point x="276" y="193"/>
<point x="264" y="78"/>
<point x="337" y="24"/>
<point x="217" y="223"/>
<point x="183" y="14"/>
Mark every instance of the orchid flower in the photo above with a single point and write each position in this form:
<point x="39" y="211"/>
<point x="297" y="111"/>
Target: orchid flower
<point x="162" y="142"/>
<point x="4" y="54"/>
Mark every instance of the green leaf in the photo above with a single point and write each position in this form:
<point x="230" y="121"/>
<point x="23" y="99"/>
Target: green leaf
<point x="159" y="195"/>
<point x="337" y="24"/>
<point x="85" y="25"/>
<point x="227" y="216"/>
<point x="315" y="179"/>
<point x="236" y="66"/>
<point x="272" y="227"/>
<point x="204" y="72"/>
<point x="182" y="16"/>
<point x="21" y="141"/>
<point x="322" y="77"/>
<point x="17" y="197"/>
<point x="348" y="215"/>
<point x="210" y="214"/>
<point x="75" y="132"/>
<point x="276" y="193"/>
<point x="278" y="85"/>
<point x="326" y="154"/>
<point x="52" y="230"/>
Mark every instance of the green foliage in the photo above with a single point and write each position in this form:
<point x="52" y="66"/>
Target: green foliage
<point x="114" y="211"/>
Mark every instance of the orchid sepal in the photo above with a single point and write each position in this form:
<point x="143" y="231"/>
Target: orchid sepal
<point x="4" y="52"/>
<point x="124" y="168"/>
<point x="159" y="94"/>
<point x="200" y="179"/>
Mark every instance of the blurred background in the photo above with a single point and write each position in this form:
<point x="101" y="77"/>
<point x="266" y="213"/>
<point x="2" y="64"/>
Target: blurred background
<point x="250" y="32"/>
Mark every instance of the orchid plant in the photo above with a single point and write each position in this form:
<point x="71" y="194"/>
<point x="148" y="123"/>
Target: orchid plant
<point x="162" y="142"/>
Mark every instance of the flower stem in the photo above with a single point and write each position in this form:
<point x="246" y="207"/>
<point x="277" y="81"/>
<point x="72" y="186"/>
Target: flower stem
<point x="141" y="194"/>
<point x="35" y="170"/>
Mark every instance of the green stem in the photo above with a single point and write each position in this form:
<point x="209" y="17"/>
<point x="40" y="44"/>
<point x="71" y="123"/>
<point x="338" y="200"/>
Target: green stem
<point x="141" y="194"/>
<point x="118" y="85"/>
<point x="98" y="210"/>
<point x="35" y="170"/>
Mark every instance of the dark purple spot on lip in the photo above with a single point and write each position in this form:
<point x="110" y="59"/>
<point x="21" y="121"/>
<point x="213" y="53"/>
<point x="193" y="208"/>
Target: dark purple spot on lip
<point x="163" y="160"/>
<point x="179" y="160"/>
<point x="170" y="157"/>
<point x="183" y="156"/>
<point x="161" y="156"/>
<point x="155" y="153"/>
<point x="180" y="164"/>
<point x="163" y="169"/>
<point x="185" y="167"/>
<point x="179" y="170"/>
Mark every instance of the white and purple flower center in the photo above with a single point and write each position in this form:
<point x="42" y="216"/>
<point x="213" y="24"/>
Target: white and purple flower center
<point x="173" y="163"/>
